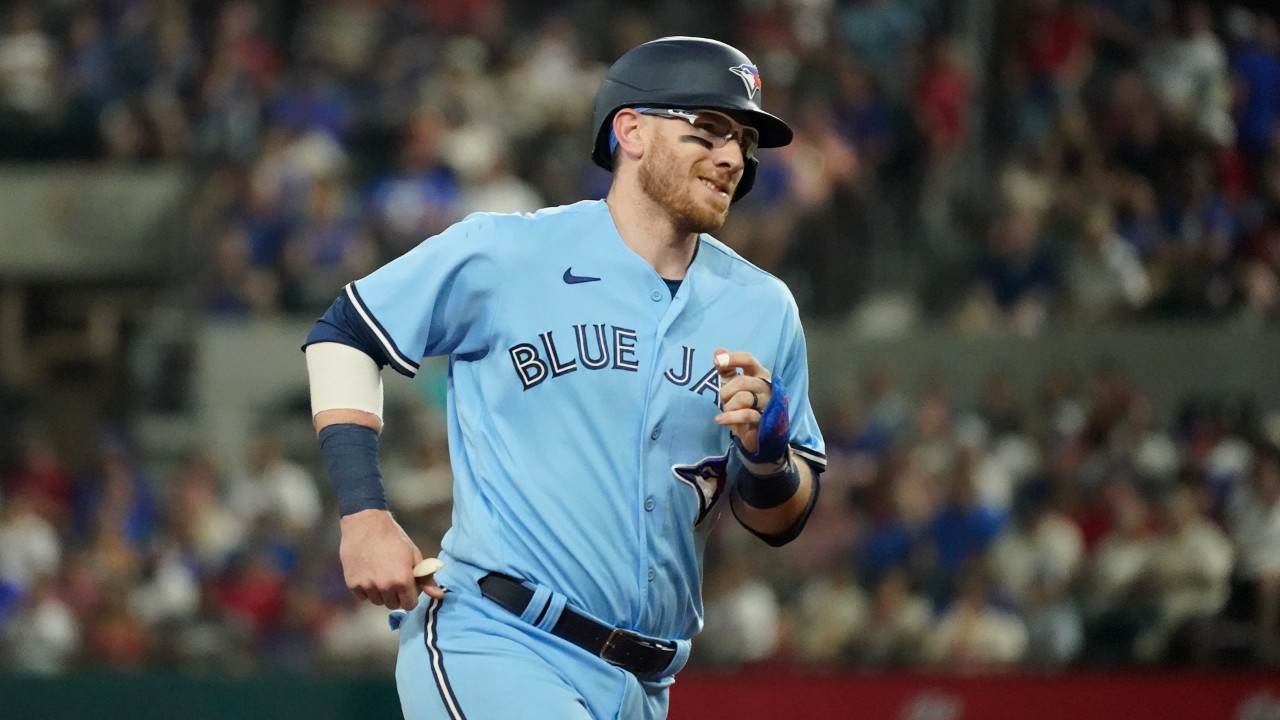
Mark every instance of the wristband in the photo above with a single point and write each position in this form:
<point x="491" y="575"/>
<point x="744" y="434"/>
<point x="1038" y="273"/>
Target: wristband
<point x="351" y="456"/>
<point x="763" y="491"/>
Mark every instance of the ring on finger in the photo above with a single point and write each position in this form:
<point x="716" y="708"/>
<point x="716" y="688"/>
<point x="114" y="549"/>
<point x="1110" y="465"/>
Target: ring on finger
<point x="755" y="401"/>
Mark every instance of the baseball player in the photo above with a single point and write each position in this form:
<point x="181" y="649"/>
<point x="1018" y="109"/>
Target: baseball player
<point x="617" y="378"/>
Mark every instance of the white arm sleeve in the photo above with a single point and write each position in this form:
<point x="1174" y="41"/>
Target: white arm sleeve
<point x="343" y="378"/>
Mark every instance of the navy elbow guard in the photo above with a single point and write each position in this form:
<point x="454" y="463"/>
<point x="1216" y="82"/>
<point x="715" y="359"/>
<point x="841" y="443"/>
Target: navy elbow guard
<point x="351" y="457"/>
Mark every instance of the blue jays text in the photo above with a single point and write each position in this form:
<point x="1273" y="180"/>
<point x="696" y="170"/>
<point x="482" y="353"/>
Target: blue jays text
<point x="599" y="346"/>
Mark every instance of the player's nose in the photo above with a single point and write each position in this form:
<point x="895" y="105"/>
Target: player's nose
<point x="729" y="156"/>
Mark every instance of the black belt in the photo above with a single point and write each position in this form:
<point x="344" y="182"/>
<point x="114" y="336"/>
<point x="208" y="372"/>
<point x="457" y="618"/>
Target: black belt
<point x="642" y="656"/>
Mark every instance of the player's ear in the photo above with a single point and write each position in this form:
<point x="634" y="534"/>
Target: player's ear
<point x="627" y="130"/>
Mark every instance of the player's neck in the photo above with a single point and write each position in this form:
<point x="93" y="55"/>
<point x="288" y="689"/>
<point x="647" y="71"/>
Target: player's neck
<point x="651" y="233"/>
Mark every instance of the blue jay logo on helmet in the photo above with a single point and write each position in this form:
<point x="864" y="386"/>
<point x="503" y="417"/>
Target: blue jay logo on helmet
<point x="750" y="77"/>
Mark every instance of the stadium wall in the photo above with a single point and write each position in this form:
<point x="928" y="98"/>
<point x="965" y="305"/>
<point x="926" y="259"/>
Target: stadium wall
<point x="755" y="695"/>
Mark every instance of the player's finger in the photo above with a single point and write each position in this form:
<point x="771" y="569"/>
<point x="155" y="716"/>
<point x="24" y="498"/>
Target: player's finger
<point x="738" y="399"/>
<point x="378" y="592"/>
<point x="407" y="593"/>
<point x="395" y="596"/>
<point x="728" y="363"/>
<point x="424" y="573"/>
<point x="745" y="385"/>
<point x="741" y="416"/>
<point x="429" y="586"/>
<point x="727" y="372"/>
<point x="427" y="567"/>
<point x="724" y="364"/>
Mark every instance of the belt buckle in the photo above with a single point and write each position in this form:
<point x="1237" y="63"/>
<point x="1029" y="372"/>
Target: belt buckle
<point x="611" y="643"/>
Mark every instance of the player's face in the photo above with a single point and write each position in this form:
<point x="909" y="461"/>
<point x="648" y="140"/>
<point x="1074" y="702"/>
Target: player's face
<point x="689" y="176"/>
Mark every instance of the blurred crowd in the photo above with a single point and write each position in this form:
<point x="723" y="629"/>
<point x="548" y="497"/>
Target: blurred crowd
<point x="1064" y="528"/>
<point x="1008" y="167"/>
<point x="125" y="566"/>
<point x="1061" y="529"/>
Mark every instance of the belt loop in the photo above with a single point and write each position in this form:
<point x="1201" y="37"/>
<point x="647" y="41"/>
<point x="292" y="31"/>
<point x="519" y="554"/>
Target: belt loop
<point x="552" y="613"/>
<point x="534" y="610"/>
<point x="683" y="647"/>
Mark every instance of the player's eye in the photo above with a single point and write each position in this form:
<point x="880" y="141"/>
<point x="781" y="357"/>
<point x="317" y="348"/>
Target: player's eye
<point x="713" y="125"/>
<point x="722" y="129"/>
<point x="713" y="129"/>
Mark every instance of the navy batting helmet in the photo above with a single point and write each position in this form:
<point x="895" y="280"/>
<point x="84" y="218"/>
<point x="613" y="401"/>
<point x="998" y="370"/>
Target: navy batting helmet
<point x="689" y="73"/>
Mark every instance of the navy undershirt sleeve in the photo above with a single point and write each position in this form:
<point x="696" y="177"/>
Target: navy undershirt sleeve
<point x="342" y="324"/>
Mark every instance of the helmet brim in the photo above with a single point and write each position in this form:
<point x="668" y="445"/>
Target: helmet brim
<point x="773" y="131"/>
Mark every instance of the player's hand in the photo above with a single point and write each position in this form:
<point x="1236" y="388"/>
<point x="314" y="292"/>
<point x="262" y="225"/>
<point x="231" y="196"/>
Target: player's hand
<point x="378" y="560"/>
<point x="742" y="395"/>
<point x="425" y="575"/>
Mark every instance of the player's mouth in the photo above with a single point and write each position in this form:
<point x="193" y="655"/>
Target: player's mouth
<point x="715" y="186"/>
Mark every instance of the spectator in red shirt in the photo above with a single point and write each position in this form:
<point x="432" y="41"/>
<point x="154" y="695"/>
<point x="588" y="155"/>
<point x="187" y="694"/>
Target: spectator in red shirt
<point x="941" y="111"/>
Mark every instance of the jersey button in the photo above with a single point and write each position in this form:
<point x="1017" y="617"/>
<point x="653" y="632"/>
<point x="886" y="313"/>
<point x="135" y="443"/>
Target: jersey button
<point x="657" y="432"/>
<point x="652" y="574"/>
<point x="649" y="504"/>
<point x="656" y="295"/>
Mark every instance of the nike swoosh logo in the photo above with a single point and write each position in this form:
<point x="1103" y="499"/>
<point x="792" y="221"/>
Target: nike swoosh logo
<point x="571" y="279"/>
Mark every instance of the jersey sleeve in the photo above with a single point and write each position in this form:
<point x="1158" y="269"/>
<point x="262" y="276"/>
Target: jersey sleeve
<point x="437" y="299"/>
<point x="806" y="438"/>
<point x="342" y="324"/>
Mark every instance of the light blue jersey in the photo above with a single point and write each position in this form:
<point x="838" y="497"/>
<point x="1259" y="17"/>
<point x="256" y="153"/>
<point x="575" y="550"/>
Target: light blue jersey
<point x="581" y="401"/>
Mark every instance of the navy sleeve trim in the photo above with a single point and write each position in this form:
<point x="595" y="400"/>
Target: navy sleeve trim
<point x="398" y="360"/>
<point x="816" y="459"/>
<point x="340" y="324"/>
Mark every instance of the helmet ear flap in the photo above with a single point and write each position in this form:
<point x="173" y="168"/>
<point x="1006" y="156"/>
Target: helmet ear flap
<point x="748" y="178"/>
